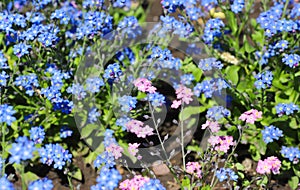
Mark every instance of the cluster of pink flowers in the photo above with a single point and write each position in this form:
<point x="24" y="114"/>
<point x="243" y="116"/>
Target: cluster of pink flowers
<point x="136" y="127"/>
<point x="194" y="168"/>
<point x="212" y="125"/>
<point x="221" y="143"/>
<point x="135" y="183"/>
<point x="268" y="165"/>
<point x="133" y="149"/>
<point x="183" y="94"/>
<point x="144" y="85"/>
<point x="251" y="116"/>
<point x="116" y="150"/>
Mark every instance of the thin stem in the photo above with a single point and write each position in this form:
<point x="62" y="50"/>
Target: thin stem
<point x="3" y="146"/>
<point x="182" y="140"/>
<point x="22" y="177"/>
<point x="70" y="182"/>
<point x="284" y="9"/>
<point x="156" y="129"/>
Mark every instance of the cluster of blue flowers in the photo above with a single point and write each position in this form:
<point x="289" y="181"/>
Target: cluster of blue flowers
<point x="226" y="174"/>
<point x="29" y="82"/>
<point x="153" y="184"/>
<point x="129" y="27"/>
<point x="65" y="132"/>
<point x="263" y="80"/>
<point x="210" y="63"/>
<point x="93" y="115"/>
<point x="108" y="179"/>
<point x="217" y="112"/>
<point x="237" y="6"/>
<point x="127" y="103"/>
<point x="272" y="23"/>
<point x="286" y="109"/>
<point x="21" y="150"/>
<point x="292" y="60"/>
<point x="172" y="26"/>
<point x="54" y="153"/>
<point x="6" y="114"/>
<point x="112" y="72"/>
<point x="213" y="28"/>
<point x="209" y="87"/>
<point x="106" y="159"/>
<point x="37" y="134"/>
<point x="6" y="184"/>
<point x="291" y="153"/>
<point x="3" y="78"/>
<point x="165" y="58"/>
<point x="122" y="121"/>
<point x="41" y="184"/>
<point x="156" y="99"/>
<point x="271" y="133"/>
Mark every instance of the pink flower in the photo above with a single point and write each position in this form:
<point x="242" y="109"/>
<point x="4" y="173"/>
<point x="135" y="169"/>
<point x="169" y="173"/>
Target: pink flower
<point x="115" y="150"/>
<point x="144" y="85"/>
<point x="133" y="148"/>
<point x="221" y="143"/>
<point x="184" y="95"/>
<point x="212" y="125"/>
<point x="136" y="127"/>
<point x="268" y="165"/>
<point x="251" y="116"/>
<point x="134" y="184"/>
<point x="176" y="104"/>
<point x="194" y="168"/>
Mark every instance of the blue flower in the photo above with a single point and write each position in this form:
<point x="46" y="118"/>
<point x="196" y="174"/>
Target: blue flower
<point x="287" y="109"/>
<point x="3" y="61"/>
<point x="237" y="6"/>
<point x="217" y="112"/>
<point x="263" y="80"/>
<point x="28" y="82"/>
<point x="122" y="121"/>
<point x="3" y="78"/>
<point x="127" y="103"/>
<point x="41" y="184"/>
<point x="213" y="28"/>
<point x="226" y="174"/>
<point x="292" y="60"/>
<point x="210" y="63"/>
<point x="37" y="134"/>
<point x="107" y="179"/>
<point x="292" y="153"/>
<point x="112" y="72"/>
<point x="153" y="184"/>
<point x="54" y="154"/>
<point x="77" y="90"/>
<point x="21" y="150"/>
<point x="93" y="84"/>
<point x="5" y="184"/>
<point x="271" y="133"/>
<point x="156" y="99"/>
<point x="193" y="13"/>
<point x="93" y="114"/>
<point x="21" y="49"/>
<point x="65" y="132"/>
<point x="6" y="114"/>
<point x="187" y="79"/>
<point x="129" y="27"/>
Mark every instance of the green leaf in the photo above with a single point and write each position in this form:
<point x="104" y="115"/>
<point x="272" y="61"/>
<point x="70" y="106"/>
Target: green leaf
<point x="186" y="182"/>
<point x="232" y="73"/>
<point x="239" y="167"/>
<point x="232" y="22"/>
<point x="187" y="112"/>
<point x="293" y="182"/>
<point x="76" y="174"/>
<point x="293" y="124"/>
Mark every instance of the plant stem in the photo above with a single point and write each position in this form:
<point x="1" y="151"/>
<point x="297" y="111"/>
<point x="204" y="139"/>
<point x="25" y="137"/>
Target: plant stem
<point x="70" y="182"/>
<point x="22" y="177"/>
<point x="182" y="139"/>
